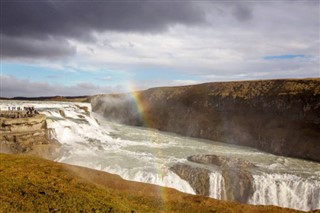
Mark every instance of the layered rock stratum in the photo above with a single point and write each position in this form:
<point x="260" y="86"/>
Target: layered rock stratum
<point x="277" y="116"/>
<point x="25" y="134"/>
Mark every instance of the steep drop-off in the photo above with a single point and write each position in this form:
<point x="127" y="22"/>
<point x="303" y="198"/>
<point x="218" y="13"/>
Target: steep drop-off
<point x="278" y="116"/>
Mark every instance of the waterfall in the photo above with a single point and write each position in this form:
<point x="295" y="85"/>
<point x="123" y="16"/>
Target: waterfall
<point x="165" y="178"/>
<point x="141" y="155"/>
<point x="286" y="190"/>
<point x="217" y="186"/>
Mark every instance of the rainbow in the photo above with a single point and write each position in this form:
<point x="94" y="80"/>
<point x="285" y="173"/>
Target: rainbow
<point x="141" y="107"/>
<point x="147" y="122"/>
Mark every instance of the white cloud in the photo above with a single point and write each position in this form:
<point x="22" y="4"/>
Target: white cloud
<point x="184" y="82"/>
<point x="11" y="87"/>
<point x="105" y="78"/>
<point x="231" y="46"/>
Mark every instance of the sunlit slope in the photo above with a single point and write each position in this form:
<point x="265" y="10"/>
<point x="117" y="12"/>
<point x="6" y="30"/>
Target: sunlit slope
<point x="30" y="184"/>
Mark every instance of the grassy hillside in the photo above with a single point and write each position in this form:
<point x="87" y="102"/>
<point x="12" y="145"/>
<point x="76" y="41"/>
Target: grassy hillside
<point x="250" y="89"/>
<point x="30" y="184"/>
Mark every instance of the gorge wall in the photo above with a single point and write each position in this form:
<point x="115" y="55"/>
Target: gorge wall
<point x="277" y="116"/>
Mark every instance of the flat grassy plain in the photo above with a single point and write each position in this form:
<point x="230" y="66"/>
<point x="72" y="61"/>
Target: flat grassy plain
<point x="32" y="184"/>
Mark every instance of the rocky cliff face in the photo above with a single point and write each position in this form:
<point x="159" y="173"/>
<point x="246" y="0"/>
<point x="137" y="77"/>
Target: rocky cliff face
<point x="23" y="135"/>
<point x="26" y="124"/>
<point x="278" y="116"/>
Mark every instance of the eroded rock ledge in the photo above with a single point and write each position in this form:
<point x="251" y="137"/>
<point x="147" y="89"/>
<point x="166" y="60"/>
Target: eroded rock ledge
<point x="198" y="178"/>
<point x="26" y="135"/>
<point x="236" y="173"/>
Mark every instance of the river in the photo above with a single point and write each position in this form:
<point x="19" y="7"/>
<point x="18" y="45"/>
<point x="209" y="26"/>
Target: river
<point x="145" y="155"/>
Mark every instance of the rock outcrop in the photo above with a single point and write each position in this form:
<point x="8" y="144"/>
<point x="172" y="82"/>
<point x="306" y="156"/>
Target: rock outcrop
<point x="198" y="178"/>
<point x="23" y="135"/>
<point x="277" y="116"/>
<point x="238" y="181"/>
<point x="236" y="173"/>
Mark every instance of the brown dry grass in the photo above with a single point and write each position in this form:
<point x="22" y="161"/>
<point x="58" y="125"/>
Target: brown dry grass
<point x="30" y="184"/>
<point x="250" y="89"/>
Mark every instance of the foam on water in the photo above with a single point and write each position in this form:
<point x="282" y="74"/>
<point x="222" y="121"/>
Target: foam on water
<point x="165" y="178"/>
<point x="286" y="190"/>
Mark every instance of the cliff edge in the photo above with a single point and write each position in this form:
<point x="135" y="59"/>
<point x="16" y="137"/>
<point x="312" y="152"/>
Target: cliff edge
<point x="277" y="116"/>
<point x="24" y="134"/>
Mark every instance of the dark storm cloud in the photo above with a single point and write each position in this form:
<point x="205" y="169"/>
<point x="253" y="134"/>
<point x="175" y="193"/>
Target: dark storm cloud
<point x="80" y="18"/>
<point x="38" y="29"/>
<point x="20" y="47"/>
<point x="242" y="12"/>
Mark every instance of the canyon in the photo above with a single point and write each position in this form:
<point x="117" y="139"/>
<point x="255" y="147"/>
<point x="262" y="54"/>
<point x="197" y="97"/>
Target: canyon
<point x="276" y="116"/>
<point x="180" y="156"/>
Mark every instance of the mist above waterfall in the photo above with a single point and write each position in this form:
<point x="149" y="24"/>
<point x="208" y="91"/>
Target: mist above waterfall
<point x="120" y="108"/>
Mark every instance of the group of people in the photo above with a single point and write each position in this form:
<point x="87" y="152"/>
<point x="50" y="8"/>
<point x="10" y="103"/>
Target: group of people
<point x="31" y="110"/>
<point x="19" y="112"/>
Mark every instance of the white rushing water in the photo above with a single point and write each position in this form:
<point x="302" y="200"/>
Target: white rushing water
<point x="286" y="190"/>
<point x="217" y="186"/>
<point x="145" y="155"/>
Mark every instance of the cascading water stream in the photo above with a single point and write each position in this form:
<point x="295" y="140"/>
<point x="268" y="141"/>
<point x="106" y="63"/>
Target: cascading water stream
<point x="217" y="186"/>
<point x="146" y="155"/>
<point x="286" y="190"/>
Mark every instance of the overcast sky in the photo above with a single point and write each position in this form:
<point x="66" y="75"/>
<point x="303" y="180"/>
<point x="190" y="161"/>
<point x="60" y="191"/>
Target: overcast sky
<point x="87" y="47"/>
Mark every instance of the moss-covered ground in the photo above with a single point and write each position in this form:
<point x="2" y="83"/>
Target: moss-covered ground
<point x="31" y="184"/>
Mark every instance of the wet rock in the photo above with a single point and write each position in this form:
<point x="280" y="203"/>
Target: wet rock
<point x="236" y="173"/>
<point x="62" y="113"/>
<point x="221" y="161"/>
<point x="198" y="178"/>
<point x="84" y="108"/>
